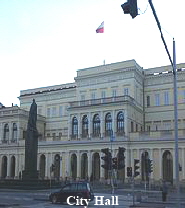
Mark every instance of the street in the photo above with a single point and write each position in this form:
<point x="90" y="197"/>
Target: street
<point x="39" y="198"/>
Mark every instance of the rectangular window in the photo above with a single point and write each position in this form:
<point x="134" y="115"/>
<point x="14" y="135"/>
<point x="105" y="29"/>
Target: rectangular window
<point x="148" y="101"/>
<point x="60" y="111"/>
<point x="54" y="111"/>
<point x="40" y="111"/>
<point x="48" y="112"/>
<point x="132" y="126"/>
<point x="157" y="100"/>
<point x="93" y="96"/>
<point x="114" y="93"/>
<point x="82" y="97"/>
<point x="103" y="94"/>
<point x="148" y="128"/>
<point x="125" y="91"/>
<point x="65" y="110"/>
<point x="82" y="100"/>
<point x="166" y="98"/>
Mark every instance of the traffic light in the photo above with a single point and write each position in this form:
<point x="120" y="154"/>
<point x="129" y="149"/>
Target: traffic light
<point x="136" y="167"/>
<point x="107" y="158"/>
<point x="115" y="163"/>
<point x="121" y="158"/>
<point x="130" y="7"/>
<point x="150" y="166"/>
<point x="129" y="171"/>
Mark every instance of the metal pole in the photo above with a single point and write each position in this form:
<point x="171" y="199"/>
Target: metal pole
<point x="112" y="183"/>
<point x="173" y="63"/>
<point x="176" y="123"/>
<point x="133" y="189"/>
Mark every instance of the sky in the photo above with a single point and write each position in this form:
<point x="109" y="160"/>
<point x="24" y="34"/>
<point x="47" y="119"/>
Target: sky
<point x="45" y="42"/>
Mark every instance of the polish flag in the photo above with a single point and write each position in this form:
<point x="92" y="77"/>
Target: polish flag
<point x="100" y="29"/>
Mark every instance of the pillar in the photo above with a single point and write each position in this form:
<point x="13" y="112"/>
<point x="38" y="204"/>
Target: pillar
<point x="89" y="164"/>
<point x="160" y="164"/>
<point x="78" y="165"/>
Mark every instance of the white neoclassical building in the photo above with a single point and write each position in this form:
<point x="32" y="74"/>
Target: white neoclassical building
<point x="109" y="106"/>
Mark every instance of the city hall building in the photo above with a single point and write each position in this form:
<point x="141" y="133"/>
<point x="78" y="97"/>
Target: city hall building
<point x="108" y="106"/>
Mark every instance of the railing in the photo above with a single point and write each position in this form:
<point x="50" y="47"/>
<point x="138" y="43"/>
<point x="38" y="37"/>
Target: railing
<point x="156" y="135"/>
<point x="104" y="101"/>
<point x="99" y="137"/>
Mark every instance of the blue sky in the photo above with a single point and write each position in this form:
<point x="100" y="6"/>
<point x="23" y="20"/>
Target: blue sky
<point x="44" y="42"/>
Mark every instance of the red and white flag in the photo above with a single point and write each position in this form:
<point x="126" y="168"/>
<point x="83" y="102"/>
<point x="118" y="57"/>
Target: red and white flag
<point x="100" y="29"/>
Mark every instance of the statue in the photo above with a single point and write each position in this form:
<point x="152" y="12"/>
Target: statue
<point x="33" y="116"/>
<point x="31" y="145"/>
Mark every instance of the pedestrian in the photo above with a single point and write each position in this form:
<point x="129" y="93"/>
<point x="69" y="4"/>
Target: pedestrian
<point x="164" y="191"/>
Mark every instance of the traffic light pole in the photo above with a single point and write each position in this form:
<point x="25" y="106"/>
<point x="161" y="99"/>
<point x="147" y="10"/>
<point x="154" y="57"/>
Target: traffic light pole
<point x="133" y="189"/>
<point x="176" y="125"/>
<point x="173" y="64"/>
<point x="111" y="175"/>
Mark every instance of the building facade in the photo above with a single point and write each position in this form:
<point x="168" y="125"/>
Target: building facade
<point x="108" y="106"/>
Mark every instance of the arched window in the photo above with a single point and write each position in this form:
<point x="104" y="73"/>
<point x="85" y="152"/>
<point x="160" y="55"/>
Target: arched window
<point x="14" y="136"/>
<point x="6" y="133"/>
<point x="84" y="126"/>
<point x="108" y="124"/>
<point x="96" y="125"/>
<point x="120" y="123"/>
<point x="42" y="166"/>
<point x="12" y="167"/>
<point x="74" y="166"/>
<point x="167" y="166"/>
<point x="74" y="128"/>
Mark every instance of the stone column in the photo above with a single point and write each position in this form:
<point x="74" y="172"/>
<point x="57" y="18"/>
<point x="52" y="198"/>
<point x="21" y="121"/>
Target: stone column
<point x="102" y="124"/>
<point x="113" y="124"/>
<point x="8" y="165"/>
<point x="69" y="127"/>
<point x="79" y="126"/>
<point x="78" y="165"/>
<point x="89" y="125"/>
<point x="160" y="164"/>
<point x="17" y="164"/>
<point x="102" y="170"/>
<point x="126" y="123"/>
<point x="67" y="164"/>
<point x="46" y="167"/>
<point x="10" y="132"/>
<point x="1" y="132"/>
<point x="89" y="164"/>
<point x="18" y="131"/>
<point x="49" y="163"/>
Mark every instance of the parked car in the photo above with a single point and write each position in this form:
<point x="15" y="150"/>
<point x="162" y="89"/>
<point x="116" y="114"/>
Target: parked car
<point x="76" y="190"/>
